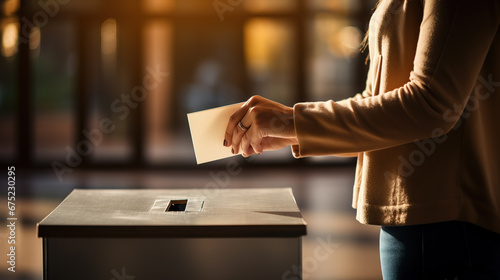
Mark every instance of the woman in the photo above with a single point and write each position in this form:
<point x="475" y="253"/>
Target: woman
<point x="425" y="132"/>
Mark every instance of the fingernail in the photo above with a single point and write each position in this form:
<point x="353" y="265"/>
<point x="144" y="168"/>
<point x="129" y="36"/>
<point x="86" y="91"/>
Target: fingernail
<point x="225" y="143"/>
<point x="232" y="151"/>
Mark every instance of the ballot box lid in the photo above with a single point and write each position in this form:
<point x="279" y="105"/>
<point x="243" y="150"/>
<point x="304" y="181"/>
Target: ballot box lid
<point x="220" y="212"/>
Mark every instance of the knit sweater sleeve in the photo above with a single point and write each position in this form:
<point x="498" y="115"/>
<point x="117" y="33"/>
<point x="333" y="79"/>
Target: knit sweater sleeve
<point x="453" y="41"/>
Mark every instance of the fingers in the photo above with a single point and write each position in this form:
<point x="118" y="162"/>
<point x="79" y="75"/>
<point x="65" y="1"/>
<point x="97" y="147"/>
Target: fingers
<point x="246" y="147"/>
<point x="251" y="146"/>
<point x="232" y="124"/>
<point x="251" y="143"/>
<point x="236" y="138"/>
<point x="260" y="118"/>
<point x="244" y="137"/>
<point x="237" y="116"/>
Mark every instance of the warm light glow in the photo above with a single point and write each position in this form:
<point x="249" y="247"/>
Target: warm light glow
<point x="158" y="6"/>
<point x="326" y="26"/>
<point x="341" y="39"/>
<point x="261" y="41"/>
<point x="9" y="40"/>
<point x="108" y="37"/>
<point x="269" y="5"/>
<point x="269" y="53"/>
<point x="343" y="6"/>
<point x="157" y="42"/>
<point x="350" y="40"/>
<point x="10" y="7"/>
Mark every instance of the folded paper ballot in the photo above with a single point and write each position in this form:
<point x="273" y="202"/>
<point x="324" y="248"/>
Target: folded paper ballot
<point x="207" y="132"/>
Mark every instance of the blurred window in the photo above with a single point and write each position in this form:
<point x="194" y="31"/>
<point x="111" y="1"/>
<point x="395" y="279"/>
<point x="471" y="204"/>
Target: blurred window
<point x="9" y="29"/>
<point x="106" y="101"/>
<point x="158" y="53"/>
<point x="53" y="56"/>
<point x="334" y="56"/>
<point x="92" y="60"/>
<point x="270" y="54"/>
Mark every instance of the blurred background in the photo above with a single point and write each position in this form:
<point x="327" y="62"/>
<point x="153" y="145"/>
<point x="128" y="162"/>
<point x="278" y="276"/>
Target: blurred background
<point x="94" y="94"/>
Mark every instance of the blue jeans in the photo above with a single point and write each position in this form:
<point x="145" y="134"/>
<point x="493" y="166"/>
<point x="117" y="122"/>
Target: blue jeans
<point x="449" y="250"/>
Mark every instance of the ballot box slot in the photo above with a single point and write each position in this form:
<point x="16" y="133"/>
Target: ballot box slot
<point x="177" y="205"/>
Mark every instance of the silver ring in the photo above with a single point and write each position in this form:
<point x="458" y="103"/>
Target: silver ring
<point x="242" y="126"/>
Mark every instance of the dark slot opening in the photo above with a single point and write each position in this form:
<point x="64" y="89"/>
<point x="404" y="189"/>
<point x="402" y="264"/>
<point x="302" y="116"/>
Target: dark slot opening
<point x="177" y="205"/>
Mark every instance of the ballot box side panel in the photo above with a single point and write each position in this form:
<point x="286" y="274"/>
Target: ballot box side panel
<point x="172" y="258"/>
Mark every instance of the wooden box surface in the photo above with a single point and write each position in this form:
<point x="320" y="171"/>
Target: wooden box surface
<point x="221" y="234"/>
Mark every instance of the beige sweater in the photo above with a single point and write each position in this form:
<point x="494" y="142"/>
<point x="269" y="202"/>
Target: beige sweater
<point x="427" y="128"/>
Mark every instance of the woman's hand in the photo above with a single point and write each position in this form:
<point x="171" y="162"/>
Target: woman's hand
<point x="265" y="125"/>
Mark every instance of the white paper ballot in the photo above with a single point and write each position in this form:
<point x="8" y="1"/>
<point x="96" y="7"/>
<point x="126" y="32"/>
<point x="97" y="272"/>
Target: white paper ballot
<point x="207" y="132"/>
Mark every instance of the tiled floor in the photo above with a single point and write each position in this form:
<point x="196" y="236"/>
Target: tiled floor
<point x="349" y="249"/>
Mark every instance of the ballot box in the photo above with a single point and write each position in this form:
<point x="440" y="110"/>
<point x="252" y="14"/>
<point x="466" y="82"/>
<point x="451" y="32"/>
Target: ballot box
<point x="173" y="234"/>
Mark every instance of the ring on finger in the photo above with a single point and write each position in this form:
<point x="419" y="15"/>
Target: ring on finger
<point x="242" y="126"/>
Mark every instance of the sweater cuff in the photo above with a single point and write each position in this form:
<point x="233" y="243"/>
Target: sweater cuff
<point x="297" y="149"/>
